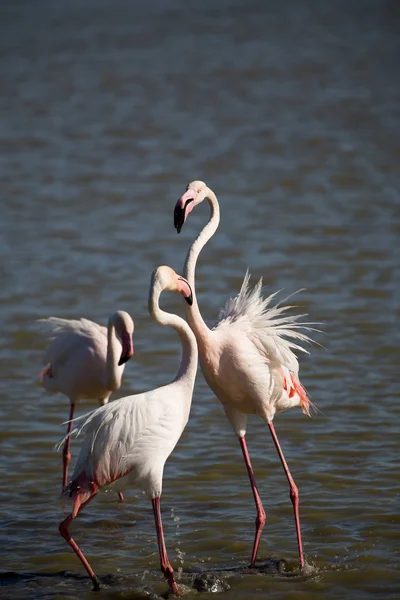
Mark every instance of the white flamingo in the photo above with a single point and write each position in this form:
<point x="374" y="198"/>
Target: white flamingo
<point x="134" y="436"/>
<point x="85" y="361"/>
<point x="247" y="359"/>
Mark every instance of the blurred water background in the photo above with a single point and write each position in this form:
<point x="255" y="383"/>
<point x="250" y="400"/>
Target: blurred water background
<point x="290" y="111"/>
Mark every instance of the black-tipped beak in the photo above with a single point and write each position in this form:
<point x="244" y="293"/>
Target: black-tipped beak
<point x="189" y="299"/>
<point x="179" y="218"/>
<point x="180" y="211"/>
<point x="123" y="359"/>
<point x="127" y="349"/>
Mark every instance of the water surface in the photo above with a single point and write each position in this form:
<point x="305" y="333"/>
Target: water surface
<point x="290" y="112"/>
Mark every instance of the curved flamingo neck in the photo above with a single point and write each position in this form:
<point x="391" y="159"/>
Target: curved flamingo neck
<point x="188" y="367"/>
<point x="193" y="314"/>
<point x="113" y="373"/>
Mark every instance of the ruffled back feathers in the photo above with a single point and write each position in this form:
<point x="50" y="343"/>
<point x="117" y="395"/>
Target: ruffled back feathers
<point x="264" y="319"/>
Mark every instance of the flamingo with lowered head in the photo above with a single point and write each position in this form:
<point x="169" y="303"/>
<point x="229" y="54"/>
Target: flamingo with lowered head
<point x="132" y="437"/>
<point x="85" y="361"/>
<point x="247" y="359"/>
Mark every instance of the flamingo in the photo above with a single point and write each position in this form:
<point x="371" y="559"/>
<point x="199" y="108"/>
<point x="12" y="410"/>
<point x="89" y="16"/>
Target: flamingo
<point x="85" y="361"/>
<point x="247" y="359"/>
<point x="133" y="436"/>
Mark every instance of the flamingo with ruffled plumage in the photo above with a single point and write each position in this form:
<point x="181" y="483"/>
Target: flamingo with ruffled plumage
<point x="248" y="358"/>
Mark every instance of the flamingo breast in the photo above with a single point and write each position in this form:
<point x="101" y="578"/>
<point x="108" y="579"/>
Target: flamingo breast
<point x="238" y="375"/>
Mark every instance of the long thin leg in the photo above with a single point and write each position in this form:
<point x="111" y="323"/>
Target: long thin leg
<point x="166" y="567"/>
<point x="66" y="453"/>
<point x="64" y="531"/>
<point x="294" y="493"/>
<point x="261" y="516"/>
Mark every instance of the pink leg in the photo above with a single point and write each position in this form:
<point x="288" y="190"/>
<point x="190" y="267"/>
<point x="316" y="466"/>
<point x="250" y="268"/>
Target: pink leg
<point x="165" y="564"/>
<point x="261" y="516"/>
<point x="294" y="493"/>
<point x="121" y="497"/>
<point x="66" y="453"/>
<point x="64" y="531"/>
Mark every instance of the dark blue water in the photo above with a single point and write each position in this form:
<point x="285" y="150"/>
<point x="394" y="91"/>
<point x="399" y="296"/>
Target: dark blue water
<point x="290" y="112"/>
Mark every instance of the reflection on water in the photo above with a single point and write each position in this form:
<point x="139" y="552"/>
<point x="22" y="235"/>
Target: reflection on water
<point x="290" y="113"/>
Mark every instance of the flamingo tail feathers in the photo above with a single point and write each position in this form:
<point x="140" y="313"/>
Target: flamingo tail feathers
<point x="305" y="402"/>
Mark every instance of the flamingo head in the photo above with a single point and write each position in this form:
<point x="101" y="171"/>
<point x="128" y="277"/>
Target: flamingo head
<point x="166" y="279"/>
<point x="124" y="327"/>
<point x="195" y="193"/>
